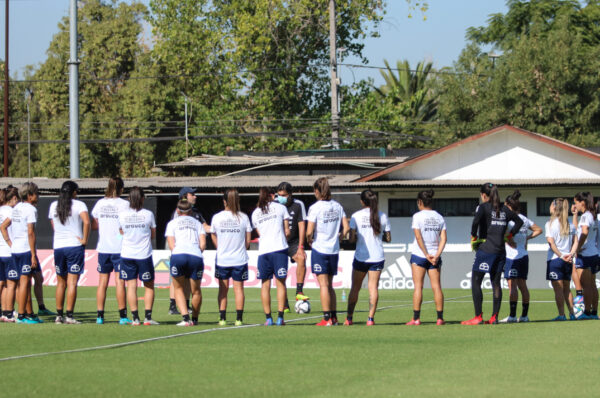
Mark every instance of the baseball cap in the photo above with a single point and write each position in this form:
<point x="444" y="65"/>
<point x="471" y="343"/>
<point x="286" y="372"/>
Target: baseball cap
<point x="185" y="190"/>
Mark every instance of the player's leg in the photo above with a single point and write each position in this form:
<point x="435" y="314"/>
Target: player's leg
<point x="8" y="303"/>
<point x="38" y="290"/>
<point x="418" y="274"/>
<point x="300" y="276"/>
<point x="281" y="299"/>
<point x="265" y="296"/>
<point x="196" y="298"/>
<point x="325" y="293"/>
<point x="72" y="279"/>
<point x="103" y="279"/>
<point x="525" y="297"/>
<point x="178" y="287"/>
<point x="172" y="302"/>
<point x="373" y="295"/>
<point x="357" y="280"/>
<point x="497" y="295"/>
<point x="22" y="297"/>
<point x="61" y="288"/>
<point x="476" y="280"/>
<point x="222" y="300"/>
<point x="238" y="290"/>
<point x="435" y="275"/>
<point x="559" y="298"/>
<point x="121" y="299"/>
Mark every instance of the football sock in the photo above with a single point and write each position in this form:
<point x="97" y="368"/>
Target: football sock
<point x="187" y="303"/>
<point x="349" y="317"/>
<point x="299" y="287"/>
<point x="476" y="279"/>
<point x="172" y="304"/>
<point x="334" y="314"/>
<point x="587" y="312"/>
<point x="123" y="313"/>
<point x="371" y="319"/>
<point x="287" y="303"/>
<point x="222" y="315"/>
<point x="195" y="319"/>
<point x="21" y="316"/>
<point x="100" y="314"/>
<point x="30" y="316"/>
<point x="135" y="315"/>
<point x="279" y="314"/>
<point x="416" y="314"/>
<point x="351" y="306"/>
<point x="525" y="309"/>
<point x="513" y="309"/>
<point x="440" y="315"/>
<point x="497" y="292"/>
<point x="326" y="315"/>
<point x="41" y="307"/>
<point x="594" y="312"/>
<point x="268" y="316"/>
<point x="148" y="314"/>
<point x="239" y="315"/>
<point x="579" y="292"/>
<point x="60" y="312"/>
<point x="186" y="317"/>
<point x="69" y="314"/>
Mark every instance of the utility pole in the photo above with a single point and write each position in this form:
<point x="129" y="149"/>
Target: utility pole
<point x="28" y="97"/>
<point x="74" y="93"/>
<point x="335" y="117"/>
<point x="6" y="116"/>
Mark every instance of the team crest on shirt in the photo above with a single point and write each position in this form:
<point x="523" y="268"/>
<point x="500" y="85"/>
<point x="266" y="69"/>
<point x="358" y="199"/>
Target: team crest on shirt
<point x="25" y="269"/>
<point x="513" y="273"/>
<point x="123" y="275"/>
<point x="99" y="268"/>
<point x="281" y="272"/>
<point x="146" y="276"/>
<point x="57" y="268"/>
<point x="258" y="275"/>
<point x="317" y="267"/>
<point x="199" y="274"/>
<point x="245" y="275"/>
<point x="173" y="270"/>
<point x="553" y="275"/>
<point x="75" y="268"/>
<point x="484" y="267"/>
<point x="13" y="274"/>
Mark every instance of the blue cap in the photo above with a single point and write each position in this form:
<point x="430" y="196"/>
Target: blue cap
<point x="185" y="190"/>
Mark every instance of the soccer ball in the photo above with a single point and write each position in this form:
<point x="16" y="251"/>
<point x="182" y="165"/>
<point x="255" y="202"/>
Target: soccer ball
<point x="578" y="300"/>
<point x="302" y="307"/>
<point x="578" y="310"/>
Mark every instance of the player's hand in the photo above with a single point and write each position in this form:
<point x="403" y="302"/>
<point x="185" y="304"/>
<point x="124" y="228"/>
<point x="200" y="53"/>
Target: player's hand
<point x="300" y="253"/>
<point x="511" y="243"/>
<point x="34" y="262"/>
<point x="430" y="258"/>
<point x="567" y="257"/>
<point x="83" y="242"/>
<point x="573" y="209"/>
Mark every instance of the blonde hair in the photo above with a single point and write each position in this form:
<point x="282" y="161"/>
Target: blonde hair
<point x="561" y="212"/>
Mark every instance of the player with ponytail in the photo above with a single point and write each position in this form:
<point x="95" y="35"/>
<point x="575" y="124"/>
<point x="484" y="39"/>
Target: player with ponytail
<point x="369" y="228"/>
<point x="489" y="227"/>
<point x="516" y="268"/>
<point x="562" y="238"/>
<point x="230" y="233"/>
<point x="430" y="239"/>
<point x="586" y="262"/>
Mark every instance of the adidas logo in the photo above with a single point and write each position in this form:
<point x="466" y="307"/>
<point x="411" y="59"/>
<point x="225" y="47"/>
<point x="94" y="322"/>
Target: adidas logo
<point x="397" y="275"/>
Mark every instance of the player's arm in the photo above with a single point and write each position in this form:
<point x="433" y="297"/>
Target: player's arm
<point x="345" y="227"/>
<point x="248" y="238"/>
<point x="4" y="230"/>
<point x="286" y="227"/>
<point x="171" y="242"/>
<point x="301" y="236"/>
<point x="421" y="242"/>
<point x="152" y="233"/>
<point x="31" y="239"/>
<point x="94" y="224"/>
<point x="202" y="241"/>
<point x="310" y="230"/>
<point x="536" y="231"/>
<point x="85" y="218"/>
<point x="585" y="230"/>
<point x="441" y="245"/>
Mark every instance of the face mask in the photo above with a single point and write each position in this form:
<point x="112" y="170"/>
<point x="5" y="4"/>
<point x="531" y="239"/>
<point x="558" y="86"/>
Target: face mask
<point x="282" y="199"/>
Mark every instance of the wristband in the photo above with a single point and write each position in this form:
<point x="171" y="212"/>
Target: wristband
<point x="300" y="246"/>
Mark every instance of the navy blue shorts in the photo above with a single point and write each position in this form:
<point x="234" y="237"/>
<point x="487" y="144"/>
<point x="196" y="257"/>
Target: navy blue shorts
<point x="273" y="264"/>
<point x="363" y="266"/>
<point x="489" y="262"/>
<point x="597" y="267"/>
<point x="22" y="264"/>
<point x="324" y="263"/>
<point x="5" y="266"/>
<point x="423" y="262"/>
<point x="132" y="268"/>
<point x="69" y="260"/>
<point x="10" y="269"/>
<point x="558" y="270"/>
<point x="188" y="266"/>
<point x="238" y="273"/>
<point x="109" y="262"/>
<point x="585" y="262"/>
<point x="517" y="268"/>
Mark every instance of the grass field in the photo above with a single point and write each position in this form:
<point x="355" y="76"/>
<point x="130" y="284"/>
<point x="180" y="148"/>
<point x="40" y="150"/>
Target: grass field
<point x="536" y="359"/>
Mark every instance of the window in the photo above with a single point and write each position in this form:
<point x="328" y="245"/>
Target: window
<point x="543" y="206"/>
<point x="446" y="207"/>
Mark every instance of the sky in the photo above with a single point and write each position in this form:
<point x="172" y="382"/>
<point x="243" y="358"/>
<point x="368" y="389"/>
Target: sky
<point x="438" y="38"/>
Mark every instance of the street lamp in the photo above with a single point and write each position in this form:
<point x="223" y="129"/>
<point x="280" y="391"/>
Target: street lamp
<point x="28" y="98"/>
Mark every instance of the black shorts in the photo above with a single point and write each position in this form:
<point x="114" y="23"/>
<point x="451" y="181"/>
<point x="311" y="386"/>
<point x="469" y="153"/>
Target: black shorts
<point x="292" y="249"/>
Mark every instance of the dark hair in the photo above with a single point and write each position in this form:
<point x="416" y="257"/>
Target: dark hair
<point x="513" y="201"/>
<point x="115" y="187"/>
<point x="65" y="200"/>
<point x="136" y="198"/>
<point x="491" y="191"/>
<point x="369" y="198"/>
<point x="588" y="199"/>
<point x="232" y="200"/>
<point x="28" y="189"/>
<point x="184" y="206"/>
<point x="264" y="198"/>
<point x="426" y="197"/>
<point x="3" y="196"/>
<point x="11" y="192"/>
<point x="322" y="185"/>
<point x="285" y="186"/>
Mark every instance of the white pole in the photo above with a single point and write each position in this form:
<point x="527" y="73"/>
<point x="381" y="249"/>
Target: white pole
<point x="186" y="129"/>
<point x="74" y="94"/>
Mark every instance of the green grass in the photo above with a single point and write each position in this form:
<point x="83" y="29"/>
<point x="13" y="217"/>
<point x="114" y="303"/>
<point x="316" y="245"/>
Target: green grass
<point x="536" y="359"/>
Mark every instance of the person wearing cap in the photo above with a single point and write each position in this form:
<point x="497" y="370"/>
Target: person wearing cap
<point x="189" y="194"/>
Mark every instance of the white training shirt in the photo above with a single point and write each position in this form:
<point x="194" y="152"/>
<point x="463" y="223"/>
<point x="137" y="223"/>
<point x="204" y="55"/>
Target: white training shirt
<point x="186" y="230"/>
<point x="22" y="214"/>
<point x="270" y="228"/>
<point x="589" y="246"/>
<point x="231" y="231"/>
<point x="598" y="234"/>
<point x="520" y="239"/>
<point x="369" y="247"/>
<point x="137" y="233"/>
<point x="563" y="243"/>
<point x="431" y="224"/>
<point x="5" y="212"/>
<point x="106" y="212"/>
<point x="69" y="233"/>
<point x="327" y="216"/>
